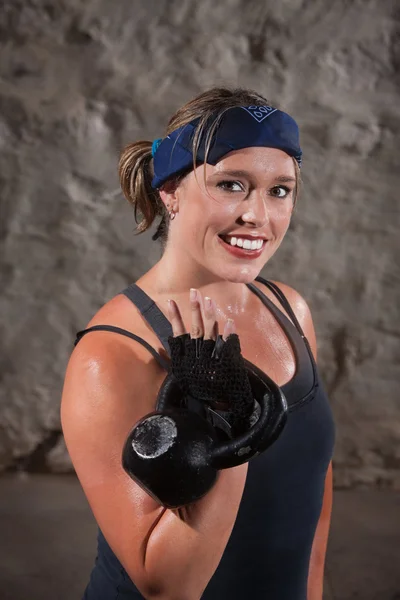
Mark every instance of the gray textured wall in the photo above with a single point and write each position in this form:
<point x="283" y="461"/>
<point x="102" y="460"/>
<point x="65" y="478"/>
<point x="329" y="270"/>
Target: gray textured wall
<point x="80" y="78"/>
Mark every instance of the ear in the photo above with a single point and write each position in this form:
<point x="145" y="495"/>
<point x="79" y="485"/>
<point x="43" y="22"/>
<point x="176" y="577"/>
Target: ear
<point x="168" y="193"/>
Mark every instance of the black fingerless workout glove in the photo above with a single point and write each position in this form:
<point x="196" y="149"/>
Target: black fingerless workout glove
<point x="214" y="372"/>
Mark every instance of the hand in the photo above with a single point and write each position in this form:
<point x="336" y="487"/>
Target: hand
<point x="204" y="323"/>
<point x="210" y="379"/>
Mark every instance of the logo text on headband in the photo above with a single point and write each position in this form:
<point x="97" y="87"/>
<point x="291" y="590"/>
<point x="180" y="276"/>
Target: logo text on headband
<point x="259" y="113"/>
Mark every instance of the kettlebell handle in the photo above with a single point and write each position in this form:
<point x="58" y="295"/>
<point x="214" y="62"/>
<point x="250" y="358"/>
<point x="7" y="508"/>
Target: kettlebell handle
<point x="240" y="449"/>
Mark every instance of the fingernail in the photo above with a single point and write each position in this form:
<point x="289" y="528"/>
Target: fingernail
<point x="229" y="325"/>
<point x="207" y="302"/>
<point x="193" y="294"/>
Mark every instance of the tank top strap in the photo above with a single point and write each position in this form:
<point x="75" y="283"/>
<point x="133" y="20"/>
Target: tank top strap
<point x="284" y="301"/>
<point x="301" y="343"/>
<point x="152" y="314"/>
<point x="163" y="329"/>
<point x="165" y="364"/>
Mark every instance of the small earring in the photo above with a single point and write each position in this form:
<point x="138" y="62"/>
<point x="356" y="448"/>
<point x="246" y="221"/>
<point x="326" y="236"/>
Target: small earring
<point x="171" y="214"/>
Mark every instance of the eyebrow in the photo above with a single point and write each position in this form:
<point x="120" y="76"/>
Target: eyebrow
<point x="242" y="173"/>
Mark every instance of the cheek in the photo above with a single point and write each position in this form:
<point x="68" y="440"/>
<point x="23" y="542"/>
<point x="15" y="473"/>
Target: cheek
<point x="203" y="221"/>
<point x="281" y="214"/>
<point x="217" y="217"/>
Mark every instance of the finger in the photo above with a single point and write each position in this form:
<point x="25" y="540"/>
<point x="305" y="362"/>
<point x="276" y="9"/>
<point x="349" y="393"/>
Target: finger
<point x="175" y="317"/>
<point x="228" y="329"/>
<point x="210" y="321"/>
<point x="197" y="327"/>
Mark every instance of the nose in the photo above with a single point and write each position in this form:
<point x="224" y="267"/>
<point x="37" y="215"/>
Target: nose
<point x="256" y="209"/>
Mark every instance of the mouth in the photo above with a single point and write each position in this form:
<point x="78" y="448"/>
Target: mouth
<point x="241" y="252"/>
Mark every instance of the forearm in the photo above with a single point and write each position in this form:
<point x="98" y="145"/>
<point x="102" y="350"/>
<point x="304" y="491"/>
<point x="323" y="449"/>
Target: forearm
<point x="186" y="545"/>
<point x="316" y="572"/>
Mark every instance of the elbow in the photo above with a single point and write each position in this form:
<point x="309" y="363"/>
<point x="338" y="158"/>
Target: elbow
<point x="153" y="590"/>
<point x="157" y="593"/>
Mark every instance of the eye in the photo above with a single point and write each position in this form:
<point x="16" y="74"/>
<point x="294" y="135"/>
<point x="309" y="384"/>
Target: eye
<point x="280" y="191"/>
<point x="231" y="186"/>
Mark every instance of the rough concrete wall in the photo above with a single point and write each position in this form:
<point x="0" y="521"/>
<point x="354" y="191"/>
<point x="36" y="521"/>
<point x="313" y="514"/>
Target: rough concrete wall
<point x="80" y="78"/>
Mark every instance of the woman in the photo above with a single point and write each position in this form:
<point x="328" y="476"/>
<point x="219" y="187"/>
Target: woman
<point x="226" y="172"/>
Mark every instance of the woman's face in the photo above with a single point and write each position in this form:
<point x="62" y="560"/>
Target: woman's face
<point x="249" y="191"/>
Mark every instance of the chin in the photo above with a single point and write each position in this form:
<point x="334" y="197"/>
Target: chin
<point x="241" y="274"/>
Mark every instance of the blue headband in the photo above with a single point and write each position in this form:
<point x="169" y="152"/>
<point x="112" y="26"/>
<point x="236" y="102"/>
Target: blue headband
<point x="240" y="127"/>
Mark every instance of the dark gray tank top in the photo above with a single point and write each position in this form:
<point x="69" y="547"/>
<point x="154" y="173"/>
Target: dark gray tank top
<point x="267" y="556"/>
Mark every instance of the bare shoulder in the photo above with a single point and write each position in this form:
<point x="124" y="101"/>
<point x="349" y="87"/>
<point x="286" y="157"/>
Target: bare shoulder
<point x="110" y="382"/>
<point x="300" y="308"/>
<point x="297" y="302"/>
<point x="118" y="311"/>
<point x="110" y="379"/>
<point x="104" y="359"/>
<point x="302" y="312"/>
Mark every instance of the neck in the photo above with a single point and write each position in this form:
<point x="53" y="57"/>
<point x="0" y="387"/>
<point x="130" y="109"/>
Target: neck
<point x="173" y="278"/>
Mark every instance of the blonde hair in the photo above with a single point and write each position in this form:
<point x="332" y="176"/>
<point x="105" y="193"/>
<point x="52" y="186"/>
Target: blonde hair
<point x="136" y="160"/>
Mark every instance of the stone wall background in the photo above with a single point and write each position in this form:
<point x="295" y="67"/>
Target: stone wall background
<point x="81" y="78"/>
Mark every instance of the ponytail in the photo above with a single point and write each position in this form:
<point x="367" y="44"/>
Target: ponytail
<point x="135" y="175"/>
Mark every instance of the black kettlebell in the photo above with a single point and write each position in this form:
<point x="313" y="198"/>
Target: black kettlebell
<point x="175" y="453"/>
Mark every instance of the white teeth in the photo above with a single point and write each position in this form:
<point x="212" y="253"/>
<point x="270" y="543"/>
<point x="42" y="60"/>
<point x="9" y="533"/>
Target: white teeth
<point x="246" y="244"/>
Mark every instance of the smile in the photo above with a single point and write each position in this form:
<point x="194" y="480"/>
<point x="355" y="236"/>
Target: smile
<point x="242" y="252"/>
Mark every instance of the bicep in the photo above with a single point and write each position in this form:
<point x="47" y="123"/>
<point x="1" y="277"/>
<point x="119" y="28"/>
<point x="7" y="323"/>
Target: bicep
<point x="102" y="400"/>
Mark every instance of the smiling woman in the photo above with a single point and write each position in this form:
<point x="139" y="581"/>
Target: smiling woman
<point x="256" y="527"/>
<point x="267" y="188"/>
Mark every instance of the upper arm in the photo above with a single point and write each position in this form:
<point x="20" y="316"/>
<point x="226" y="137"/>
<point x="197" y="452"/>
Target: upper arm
<point x="302" y="312"/>
<point x="107" y="389"/>
<point x="320" y="543"/>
